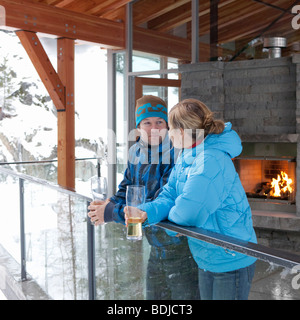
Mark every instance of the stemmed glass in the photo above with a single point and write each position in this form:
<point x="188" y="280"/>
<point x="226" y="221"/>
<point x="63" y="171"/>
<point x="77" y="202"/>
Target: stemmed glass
<point x="99" y="188"/>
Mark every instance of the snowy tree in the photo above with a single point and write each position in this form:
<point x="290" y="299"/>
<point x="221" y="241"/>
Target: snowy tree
<point x="7" y="75"/>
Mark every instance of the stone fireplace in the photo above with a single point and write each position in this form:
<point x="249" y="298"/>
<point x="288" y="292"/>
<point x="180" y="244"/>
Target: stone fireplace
<point x="261" y="98"/>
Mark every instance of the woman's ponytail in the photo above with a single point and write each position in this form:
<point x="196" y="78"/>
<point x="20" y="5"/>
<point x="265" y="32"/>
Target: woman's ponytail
<point x="194" y="114"/>
<point x="210" y="125"/>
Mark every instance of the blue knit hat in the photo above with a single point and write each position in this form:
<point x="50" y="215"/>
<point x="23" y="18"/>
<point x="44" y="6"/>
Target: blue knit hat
<point x="150" y="106"/>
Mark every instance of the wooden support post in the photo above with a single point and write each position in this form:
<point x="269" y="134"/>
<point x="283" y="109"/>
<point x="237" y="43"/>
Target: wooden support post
<point x="66" y="120"/>
<point x="61" y="89"/>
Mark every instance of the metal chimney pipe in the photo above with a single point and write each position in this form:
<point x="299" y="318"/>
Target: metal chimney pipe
<point x="274" y="44"/>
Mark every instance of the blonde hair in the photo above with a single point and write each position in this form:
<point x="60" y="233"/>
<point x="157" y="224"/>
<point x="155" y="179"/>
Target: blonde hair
<point x="194" y="114"/>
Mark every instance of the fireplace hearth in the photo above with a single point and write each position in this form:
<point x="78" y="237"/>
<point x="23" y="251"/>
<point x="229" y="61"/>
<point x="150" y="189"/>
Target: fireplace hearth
<point x="268" y="177"/>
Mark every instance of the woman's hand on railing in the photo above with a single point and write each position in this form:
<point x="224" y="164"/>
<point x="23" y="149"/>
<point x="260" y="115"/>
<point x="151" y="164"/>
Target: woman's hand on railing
<point x="96" y="212"/>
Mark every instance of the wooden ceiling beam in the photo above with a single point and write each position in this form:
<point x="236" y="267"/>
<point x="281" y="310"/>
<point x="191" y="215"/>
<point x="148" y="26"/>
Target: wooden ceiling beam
<point x="37" y="17"/>
<point x="158" y="43"/>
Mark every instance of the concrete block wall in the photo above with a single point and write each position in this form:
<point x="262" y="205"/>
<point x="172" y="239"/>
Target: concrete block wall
<point x="260" y="96"/>
<point x="257" y="96"/>
<point x="204" y="81"/>
<point x="279" y="239"/>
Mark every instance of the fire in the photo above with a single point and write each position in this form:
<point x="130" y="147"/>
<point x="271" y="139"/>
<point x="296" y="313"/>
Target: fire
<point x="281" y="185"/>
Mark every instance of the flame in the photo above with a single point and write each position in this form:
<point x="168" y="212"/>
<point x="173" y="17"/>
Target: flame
<point x="281" y="185"/>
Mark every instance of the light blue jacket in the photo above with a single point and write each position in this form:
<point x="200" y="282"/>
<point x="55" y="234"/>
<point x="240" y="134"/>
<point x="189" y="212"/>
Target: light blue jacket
<point x="204" y="190"/>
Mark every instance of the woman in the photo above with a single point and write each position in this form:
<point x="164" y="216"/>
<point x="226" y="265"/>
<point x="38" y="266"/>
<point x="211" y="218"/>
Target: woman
<point x="171" y="271"/>
<point x="204" y="190"/>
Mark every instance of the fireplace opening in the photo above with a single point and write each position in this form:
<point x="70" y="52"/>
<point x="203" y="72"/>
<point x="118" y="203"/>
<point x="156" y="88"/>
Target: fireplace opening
<point x="268" y="180"/>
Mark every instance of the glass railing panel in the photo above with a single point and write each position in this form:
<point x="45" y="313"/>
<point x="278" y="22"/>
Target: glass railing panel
<point x="274" y="282"/>
<point x="120" y="264"/>
<point x="56" y="242"/>
<point x="277" y="275"/>
<point x="42" y="170"/>
<point x="47" y="170"/>
<point x="10" y="215"/>
<point x="84" y="170"/>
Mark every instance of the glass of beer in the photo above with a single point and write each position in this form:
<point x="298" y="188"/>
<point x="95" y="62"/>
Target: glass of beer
<point x="135" y="196"/>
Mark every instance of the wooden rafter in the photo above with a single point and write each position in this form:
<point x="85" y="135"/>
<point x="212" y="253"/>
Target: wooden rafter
<point x="231" y="18"/>
<point x="105" y="7"/>
<point x="44" y="68"/>
<point x="159" y="44"/>
<point x="270" y="5"/>
<point x="181" y="15"/>
<point x="144" y="10"/>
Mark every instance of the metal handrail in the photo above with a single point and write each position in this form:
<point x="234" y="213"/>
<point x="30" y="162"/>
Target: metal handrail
<point x="41" y="161"/>
<point x="278" y="257"/>
<point x="44" y="183"/>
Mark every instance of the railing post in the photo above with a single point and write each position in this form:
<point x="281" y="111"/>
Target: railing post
<point x="91" y="259"/>
<point x="22" y="231"/>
